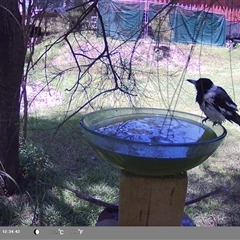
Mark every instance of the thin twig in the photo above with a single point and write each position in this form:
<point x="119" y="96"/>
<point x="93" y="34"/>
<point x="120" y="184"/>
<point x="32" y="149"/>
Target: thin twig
<point x="198" y="199"/>
<point x="91" y="199"/>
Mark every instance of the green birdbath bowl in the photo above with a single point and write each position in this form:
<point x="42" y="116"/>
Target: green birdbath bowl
<point x="149" y="141"/>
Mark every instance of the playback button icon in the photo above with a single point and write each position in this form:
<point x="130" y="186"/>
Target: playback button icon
<point x="36" y="231"/>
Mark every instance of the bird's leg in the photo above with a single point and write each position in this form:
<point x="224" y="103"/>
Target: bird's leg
<point x="204" y="120"/>
<point x="216" y="122"/>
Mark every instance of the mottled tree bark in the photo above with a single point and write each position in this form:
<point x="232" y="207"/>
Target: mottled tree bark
<point x="12" y="54"/>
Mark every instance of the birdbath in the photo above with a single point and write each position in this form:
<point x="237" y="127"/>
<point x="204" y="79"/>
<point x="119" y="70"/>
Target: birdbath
<point x="154" y="148"/>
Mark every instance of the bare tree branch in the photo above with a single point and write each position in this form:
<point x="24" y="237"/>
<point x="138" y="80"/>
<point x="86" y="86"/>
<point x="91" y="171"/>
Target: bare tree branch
<point x="91" y="199"/>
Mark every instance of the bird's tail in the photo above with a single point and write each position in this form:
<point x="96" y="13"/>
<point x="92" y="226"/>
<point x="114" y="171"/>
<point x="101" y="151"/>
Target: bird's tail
<point x="236" y="119"/>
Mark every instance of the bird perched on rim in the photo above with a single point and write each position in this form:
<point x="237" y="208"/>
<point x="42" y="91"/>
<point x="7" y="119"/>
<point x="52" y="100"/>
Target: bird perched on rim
<point x="215" y="102"/>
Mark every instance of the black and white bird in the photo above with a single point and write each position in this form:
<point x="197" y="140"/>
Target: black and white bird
<point x="215" y="102"/>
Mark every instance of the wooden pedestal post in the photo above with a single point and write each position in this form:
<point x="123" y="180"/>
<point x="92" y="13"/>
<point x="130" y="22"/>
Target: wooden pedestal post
<point x="151" y="201"/>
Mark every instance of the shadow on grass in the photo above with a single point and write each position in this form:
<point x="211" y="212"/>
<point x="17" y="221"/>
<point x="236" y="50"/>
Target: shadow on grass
<point x="49" y="164"/>
<point x="221" y="209"/>
<point x="8" y="214"/>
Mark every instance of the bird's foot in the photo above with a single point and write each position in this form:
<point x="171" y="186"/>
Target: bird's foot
<point x="216" y="122"/>
<point x="204" y="120"/>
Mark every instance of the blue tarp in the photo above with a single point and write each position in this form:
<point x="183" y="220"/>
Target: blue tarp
<point x="198" y="27"/>
<point x="122" y="20"/>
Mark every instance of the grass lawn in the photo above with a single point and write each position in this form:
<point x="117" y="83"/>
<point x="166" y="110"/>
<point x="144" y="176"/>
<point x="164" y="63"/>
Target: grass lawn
<point x="51" y="160"/>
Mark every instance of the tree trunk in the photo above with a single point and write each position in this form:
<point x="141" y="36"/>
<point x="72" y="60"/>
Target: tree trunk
<point x="12" y="55"/>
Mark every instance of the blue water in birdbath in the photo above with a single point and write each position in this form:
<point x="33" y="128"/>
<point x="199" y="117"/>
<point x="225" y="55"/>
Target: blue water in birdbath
<point x="153" y="130"/>
<point x="144" y="142"/>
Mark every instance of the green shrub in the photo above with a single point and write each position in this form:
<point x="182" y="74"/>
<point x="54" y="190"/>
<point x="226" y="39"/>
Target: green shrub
<point x="161" y="27"/>
<point x="33" y="160"/>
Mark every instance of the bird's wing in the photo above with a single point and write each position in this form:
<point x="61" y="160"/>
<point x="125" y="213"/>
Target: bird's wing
<point x="222" y="102"/>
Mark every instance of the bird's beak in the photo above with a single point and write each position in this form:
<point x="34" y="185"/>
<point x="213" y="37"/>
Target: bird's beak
<point x="192" y="81"/>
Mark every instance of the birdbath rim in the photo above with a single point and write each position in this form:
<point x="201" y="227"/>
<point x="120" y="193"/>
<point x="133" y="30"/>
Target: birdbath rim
<point x="151" y="111"/>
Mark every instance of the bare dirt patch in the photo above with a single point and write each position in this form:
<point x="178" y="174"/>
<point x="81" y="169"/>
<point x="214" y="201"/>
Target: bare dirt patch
<point x="40" y="96"/>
